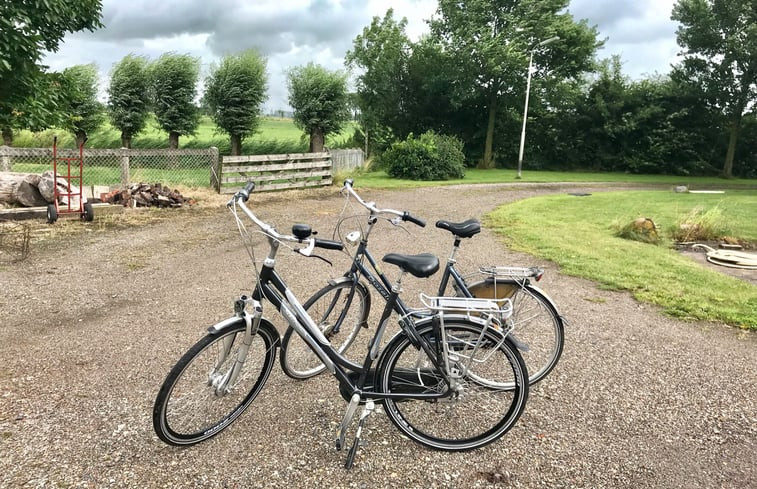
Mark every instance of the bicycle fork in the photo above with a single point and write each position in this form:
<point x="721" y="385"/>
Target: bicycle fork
<point x="221" y="382"/>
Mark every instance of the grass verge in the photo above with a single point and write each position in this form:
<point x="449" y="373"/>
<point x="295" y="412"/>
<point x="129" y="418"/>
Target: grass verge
<point x="379" y="179"/>
<point x="577" y="233"/>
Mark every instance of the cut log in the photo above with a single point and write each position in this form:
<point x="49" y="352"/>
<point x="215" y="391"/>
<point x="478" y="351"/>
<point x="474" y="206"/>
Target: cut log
<point x="20" y="189"/>
<point x="45" y="187"/>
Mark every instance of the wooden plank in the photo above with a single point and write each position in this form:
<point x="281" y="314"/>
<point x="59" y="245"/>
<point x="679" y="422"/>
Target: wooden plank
<point x="276" y="157"/>
<point x="278" y="176"/>
<point x="276" y="167"/>
<point x="282" y="186"/>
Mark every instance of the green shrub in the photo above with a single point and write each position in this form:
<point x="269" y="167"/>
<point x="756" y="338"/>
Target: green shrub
<point x="430" y="157"/>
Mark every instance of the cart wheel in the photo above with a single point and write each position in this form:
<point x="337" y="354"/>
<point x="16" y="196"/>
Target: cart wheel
<point x="89" y="212"/>
<point x="52" y="213"/>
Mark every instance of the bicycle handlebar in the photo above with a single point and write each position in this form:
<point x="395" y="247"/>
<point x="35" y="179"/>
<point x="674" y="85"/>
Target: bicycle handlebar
<point x="371" y="206"/>
<point x="241" y="197"/>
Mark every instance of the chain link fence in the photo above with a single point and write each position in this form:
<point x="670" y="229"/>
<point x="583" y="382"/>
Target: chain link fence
<point x="119" y="167"/>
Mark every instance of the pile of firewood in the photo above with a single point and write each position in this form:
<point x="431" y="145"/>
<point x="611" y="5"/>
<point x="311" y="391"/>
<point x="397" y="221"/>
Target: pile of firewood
<point x="146" y="195"/>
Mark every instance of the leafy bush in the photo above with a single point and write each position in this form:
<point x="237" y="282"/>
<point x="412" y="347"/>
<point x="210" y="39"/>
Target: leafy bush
<point x="430" y="157"/>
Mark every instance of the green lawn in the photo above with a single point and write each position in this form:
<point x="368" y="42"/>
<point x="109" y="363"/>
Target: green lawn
<point x="577" y="233"/>
<point x="379" y="179"/>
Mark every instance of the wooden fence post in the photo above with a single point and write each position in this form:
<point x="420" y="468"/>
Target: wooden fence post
<point x="215" y="169"/>
<point x="124" y="166"/>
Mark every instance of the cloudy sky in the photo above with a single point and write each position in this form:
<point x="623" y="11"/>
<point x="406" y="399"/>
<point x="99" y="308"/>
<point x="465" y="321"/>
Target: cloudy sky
<point x="294" y="32"/>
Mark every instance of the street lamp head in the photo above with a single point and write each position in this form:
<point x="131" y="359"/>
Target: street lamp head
<point x="548" y="41"/>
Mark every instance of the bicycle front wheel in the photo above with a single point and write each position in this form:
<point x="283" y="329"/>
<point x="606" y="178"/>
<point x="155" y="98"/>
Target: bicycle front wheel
<point x="197" y="400"/>
<point x="537" y="327"/>
<point x="487" y="384"/>
<point x="339" y="310"/>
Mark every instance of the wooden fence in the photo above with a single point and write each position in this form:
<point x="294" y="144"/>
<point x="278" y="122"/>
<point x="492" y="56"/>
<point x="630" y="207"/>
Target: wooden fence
<point x="346" y="159"/>
<point x="273" y="172"/>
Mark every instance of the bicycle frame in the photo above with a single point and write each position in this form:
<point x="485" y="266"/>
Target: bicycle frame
<point x="273" y="288"/>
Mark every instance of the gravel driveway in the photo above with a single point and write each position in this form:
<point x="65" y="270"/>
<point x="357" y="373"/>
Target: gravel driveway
<point x="90" y="326"/>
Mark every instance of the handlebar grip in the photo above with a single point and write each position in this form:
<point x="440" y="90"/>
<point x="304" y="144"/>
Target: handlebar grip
<point x="349" y="182"/>
<point x="328" y="244"/>
<point x="415" y="220"/>
<point x="245" y="192"/>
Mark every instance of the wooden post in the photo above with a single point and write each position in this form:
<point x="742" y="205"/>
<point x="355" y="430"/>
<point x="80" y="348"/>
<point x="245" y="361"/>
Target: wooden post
<point x="124" y="166"/>
<point x="215" y="169"/>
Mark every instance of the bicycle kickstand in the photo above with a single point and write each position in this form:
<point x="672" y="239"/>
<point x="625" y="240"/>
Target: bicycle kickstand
<point x="367" y="410"/>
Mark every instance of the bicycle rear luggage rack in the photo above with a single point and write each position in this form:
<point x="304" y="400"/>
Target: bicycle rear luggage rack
<point x="512" y="272"/>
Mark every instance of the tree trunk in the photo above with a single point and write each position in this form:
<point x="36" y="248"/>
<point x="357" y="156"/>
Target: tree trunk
<point x="733" y="138"/>
<point x="316" y="140"/>
<point x="7" y="136"/>
<point x="125" y="140"/>
<point x="488" y="161"/>
<point x="236" y="145"/>
<point x="173" y="140"/>
<point x="81" y="138"/>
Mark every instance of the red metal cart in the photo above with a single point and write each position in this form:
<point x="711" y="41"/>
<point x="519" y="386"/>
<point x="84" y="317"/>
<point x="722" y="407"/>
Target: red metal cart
<point x="71" y="199"/>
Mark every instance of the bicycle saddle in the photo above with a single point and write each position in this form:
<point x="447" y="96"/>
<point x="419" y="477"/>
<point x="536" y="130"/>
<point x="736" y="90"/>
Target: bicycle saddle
<point x="464" y="229"/>
<point x="421" y="266"/>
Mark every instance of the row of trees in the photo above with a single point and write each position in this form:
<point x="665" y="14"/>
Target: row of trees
<point x="464" y="79"/>
<point x="468" y="78"/>
<point x="234" y="92"/>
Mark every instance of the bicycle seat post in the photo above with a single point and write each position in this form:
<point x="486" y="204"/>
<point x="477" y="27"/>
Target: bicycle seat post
<point x="455" y="247"/>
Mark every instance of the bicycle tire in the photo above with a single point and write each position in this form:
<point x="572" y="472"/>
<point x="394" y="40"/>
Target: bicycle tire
<point x="326" y="307"/>
<point x="478" y="414"/>
<point x="536" y="323"/>
<point x="187" y="409"/>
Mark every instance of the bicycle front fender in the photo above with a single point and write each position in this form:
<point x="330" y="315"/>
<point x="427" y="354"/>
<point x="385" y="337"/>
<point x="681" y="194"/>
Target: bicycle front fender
<point x="233" y="321"/>
<point x="363" y="291"/>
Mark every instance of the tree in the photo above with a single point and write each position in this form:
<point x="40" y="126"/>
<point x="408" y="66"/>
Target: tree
<point x="173" y="80"/>
<point x="26" y="30"/>
<point x="83" y="113"/>
<point x="320" y="101"/>
<point x="719" y="41"/>
<point x="493" y="40"/>
<point x="380" y="53"/>
<point x="234" y="93"/>
<point x="128" y="97"/>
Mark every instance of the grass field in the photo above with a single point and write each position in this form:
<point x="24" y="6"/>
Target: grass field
<point x="578" y="233"/>
<point x="274" y="135"/>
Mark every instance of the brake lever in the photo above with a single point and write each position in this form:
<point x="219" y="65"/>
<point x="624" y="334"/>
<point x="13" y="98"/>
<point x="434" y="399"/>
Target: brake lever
<point x="308" y="250"/>
<point x="397" y="222"/>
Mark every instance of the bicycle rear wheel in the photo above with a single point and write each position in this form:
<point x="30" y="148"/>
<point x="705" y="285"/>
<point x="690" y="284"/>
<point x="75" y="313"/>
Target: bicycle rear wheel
<point x="339" y="310"/>
<point x="478" y="412"/>
<point x="190" y="407"/>
<point x="538" y="328"/>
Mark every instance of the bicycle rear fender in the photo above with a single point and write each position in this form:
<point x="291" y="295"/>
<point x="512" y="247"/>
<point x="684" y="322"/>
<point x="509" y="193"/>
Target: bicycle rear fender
<point x="505" y="288"/>
<point x="222" y="326"/>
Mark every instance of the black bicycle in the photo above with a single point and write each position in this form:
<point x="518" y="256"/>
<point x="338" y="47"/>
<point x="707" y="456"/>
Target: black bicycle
<point x="341" y="308"/>
<point x="447" y="380"/>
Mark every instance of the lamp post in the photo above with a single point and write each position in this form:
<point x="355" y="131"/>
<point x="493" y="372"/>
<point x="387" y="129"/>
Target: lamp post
<point x="525" y="110"/>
